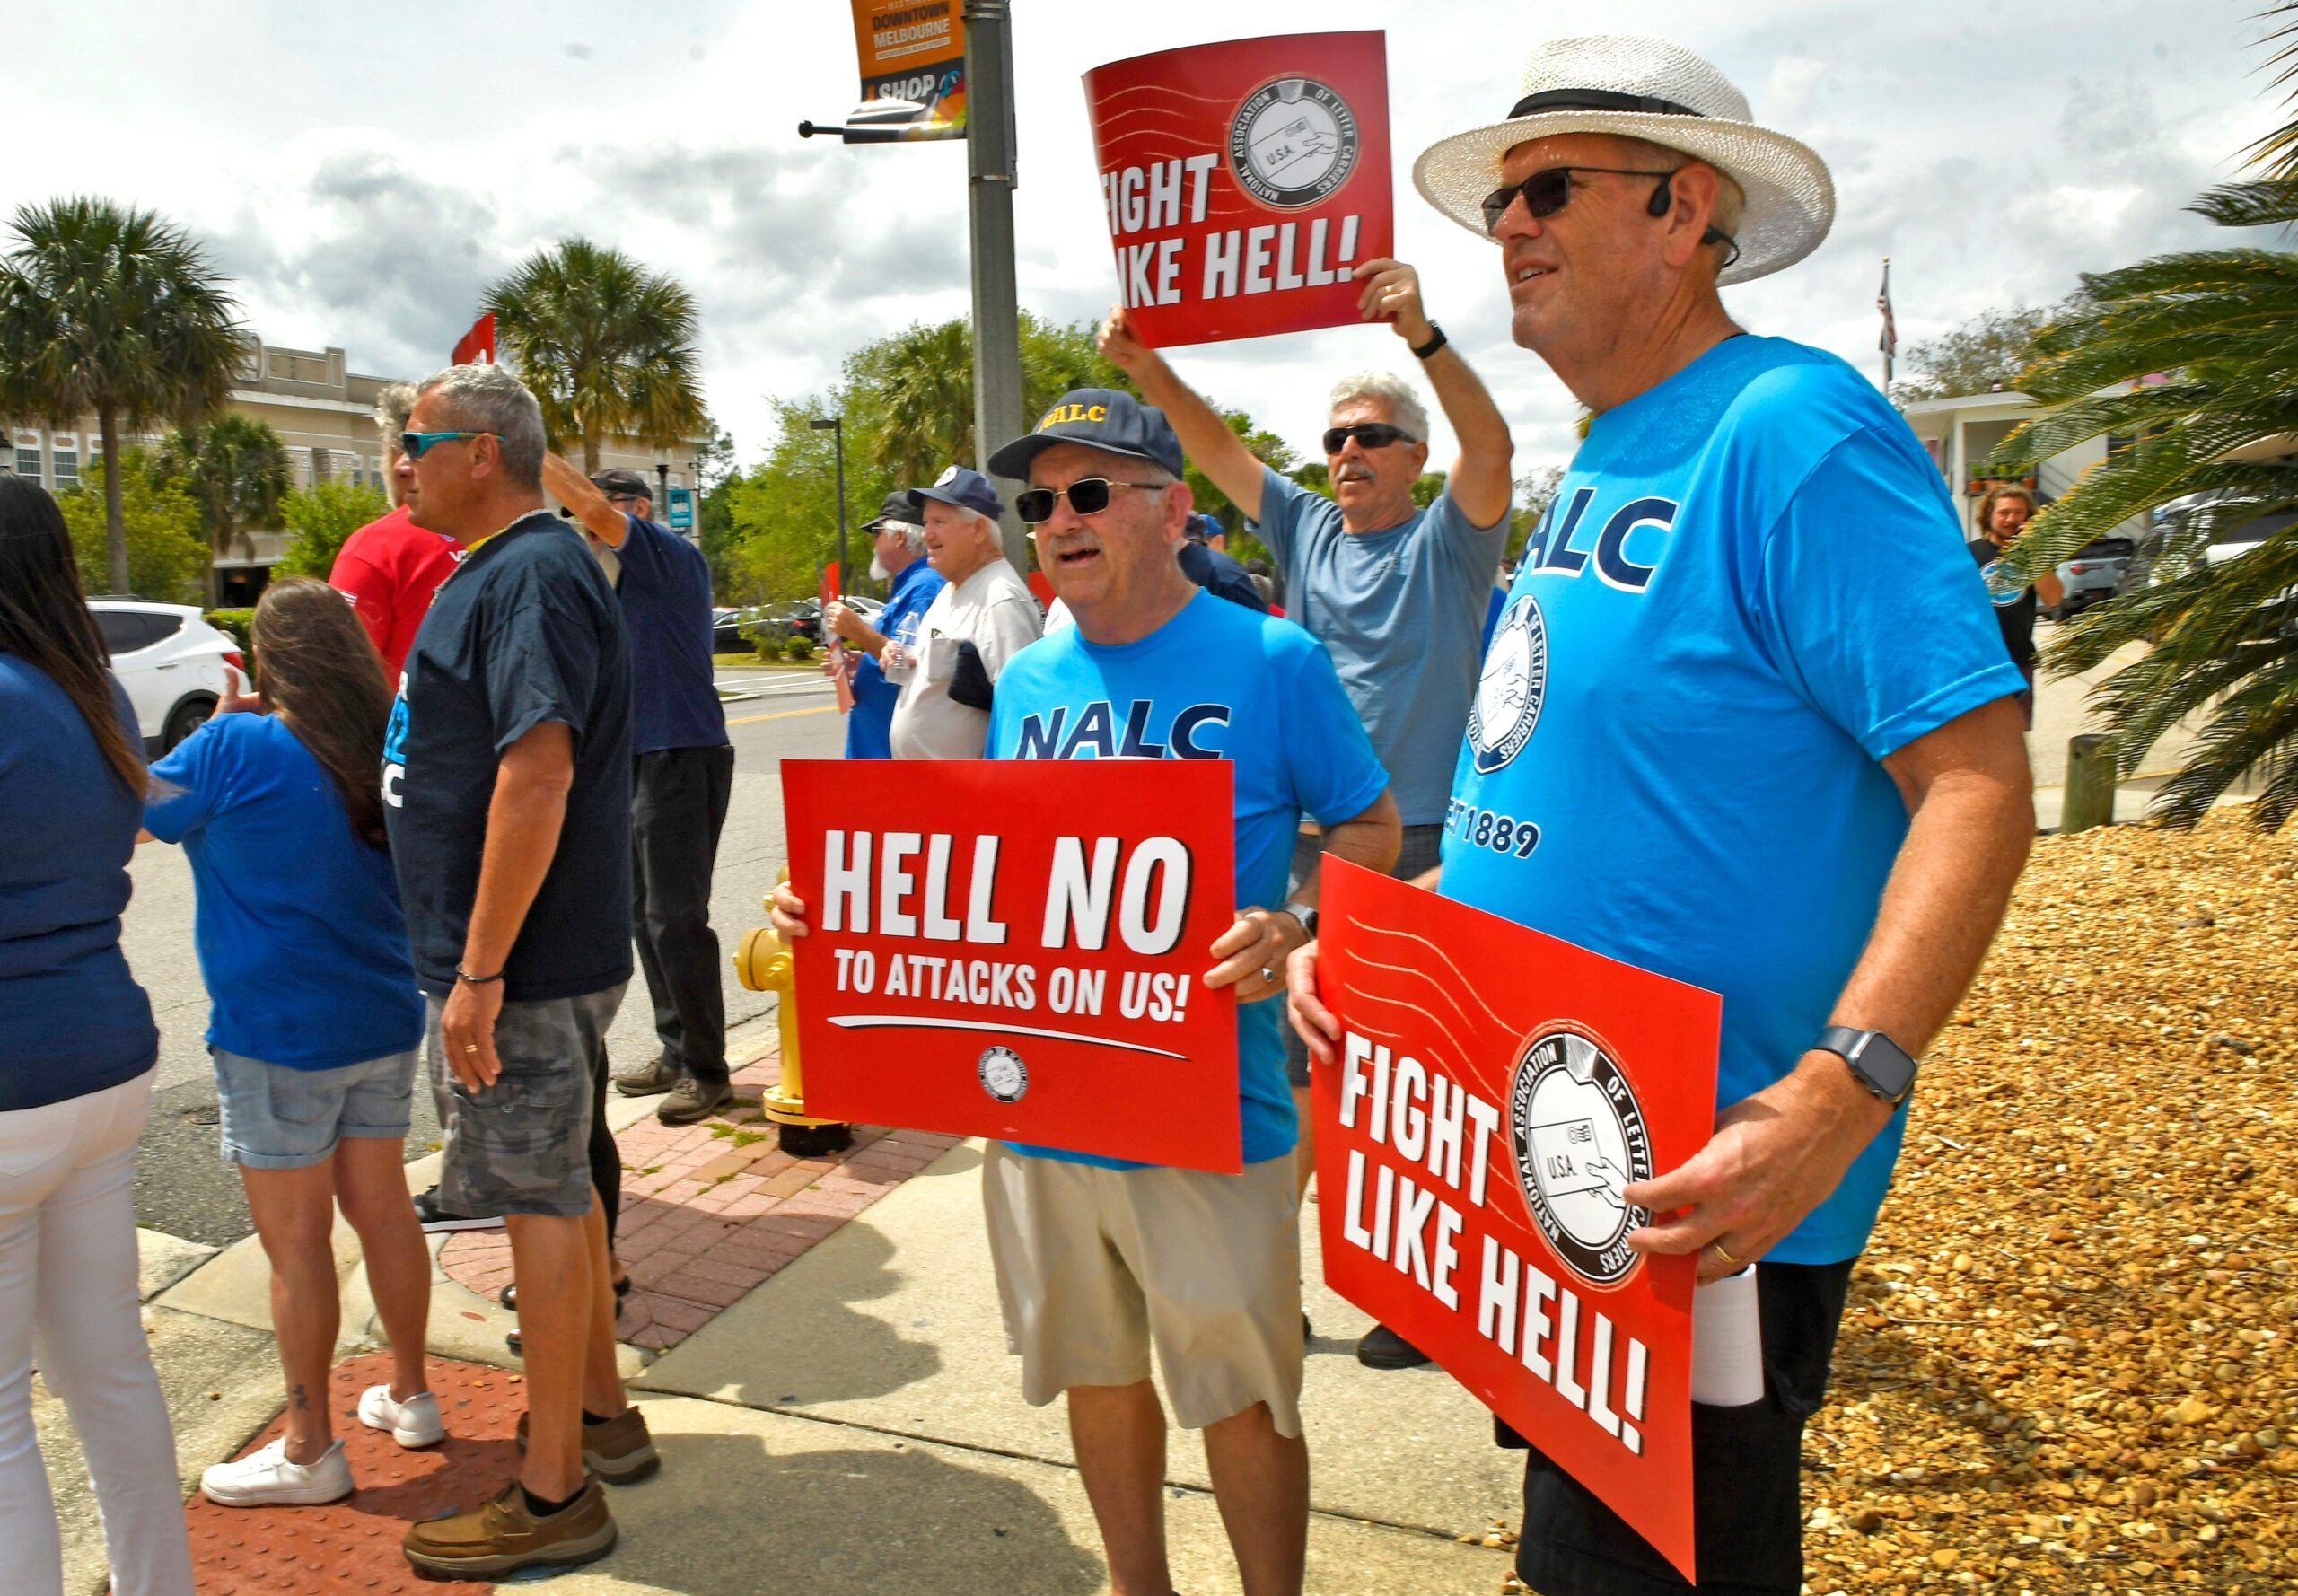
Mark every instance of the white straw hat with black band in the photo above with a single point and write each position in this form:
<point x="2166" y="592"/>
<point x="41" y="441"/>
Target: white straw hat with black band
<point x="1648" y="89"/>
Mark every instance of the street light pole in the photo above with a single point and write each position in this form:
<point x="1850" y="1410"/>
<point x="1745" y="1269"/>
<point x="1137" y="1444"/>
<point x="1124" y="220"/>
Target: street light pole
<point x="836" y="425"/>
<point x="990" y="181"/>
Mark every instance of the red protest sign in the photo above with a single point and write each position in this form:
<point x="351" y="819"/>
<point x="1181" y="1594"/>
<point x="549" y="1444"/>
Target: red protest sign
<point x="1012" y="949"/>
<point x="1242" y="180"/>
<point x="840" y="670"/>
<point x="1496" y="1089"/>
<point x="476" y="347"/>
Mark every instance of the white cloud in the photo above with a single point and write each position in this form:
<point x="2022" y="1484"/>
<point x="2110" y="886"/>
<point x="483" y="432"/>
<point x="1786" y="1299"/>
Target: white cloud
<point x="363" y="174"/>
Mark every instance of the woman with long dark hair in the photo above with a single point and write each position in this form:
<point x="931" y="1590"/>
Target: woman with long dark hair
<point x="314" y="1018"/>
<point x="78" y="1052"/>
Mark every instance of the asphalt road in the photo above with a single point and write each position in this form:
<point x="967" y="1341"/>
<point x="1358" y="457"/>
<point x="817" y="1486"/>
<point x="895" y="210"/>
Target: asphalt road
<point x="183" y="1187"/>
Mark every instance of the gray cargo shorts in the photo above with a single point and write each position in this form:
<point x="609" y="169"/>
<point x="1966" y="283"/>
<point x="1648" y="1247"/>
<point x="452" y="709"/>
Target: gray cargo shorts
<point x="522" y="1144"/>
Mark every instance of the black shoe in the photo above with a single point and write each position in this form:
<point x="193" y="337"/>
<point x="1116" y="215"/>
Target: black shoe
<point x="1383" y="1348"/>
<point x="434" y="1218"/>
<point x="691" y="1101"/>
<point x="651" y="1079"/>
<point x="509" y="1297"/>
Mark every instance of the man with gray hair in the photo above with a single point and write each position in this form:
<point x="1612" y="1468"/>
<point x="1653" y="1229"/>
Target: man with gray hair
<point x="884" y="655"/>
<point x="389" y="568"/>
<point x="506" y="783"/>
<point x="981" y="619"/>
<point x="1393" y="591"/>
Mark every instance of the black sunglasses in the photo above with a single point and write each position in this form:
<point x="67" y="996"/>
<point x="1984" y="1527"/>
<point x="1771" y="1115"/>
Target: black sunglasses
<point x="1372" y="435"/>
<point x="1088" y="495"/>
<point x="1549" y="189"/>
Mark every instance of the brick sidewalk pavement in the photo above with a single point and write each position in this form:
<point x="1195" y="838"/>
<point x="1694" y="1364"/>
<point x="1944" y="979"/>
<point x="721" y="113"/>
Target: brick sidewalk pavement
<point x="711" y="1210"/>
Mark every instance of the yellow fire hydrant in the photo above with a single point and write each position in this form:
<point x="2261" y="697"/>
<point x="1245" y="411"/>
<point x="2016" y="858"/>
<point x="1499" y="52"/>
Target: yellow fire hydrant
<point x="766" y="964"/>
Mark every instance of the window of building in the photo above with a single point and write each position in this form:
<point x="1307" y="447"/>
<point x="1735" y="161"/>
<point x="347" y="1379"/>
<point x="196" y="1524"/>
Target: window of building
<point x="63" y="460"/>
<point x="28" y="460"/>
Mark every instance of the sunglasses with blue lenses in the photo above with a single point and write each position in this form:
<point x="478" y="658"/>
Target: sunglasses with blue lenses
<point x="415" y="445"/>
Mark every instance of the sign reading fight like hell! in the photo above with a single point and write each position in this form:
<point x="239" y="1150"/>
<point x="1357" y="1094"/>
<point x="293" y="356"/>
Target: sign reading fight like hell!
<point x="1496" y="1089"/>
<point x="1014" y="948"/>
<point x="1243" y="181"/>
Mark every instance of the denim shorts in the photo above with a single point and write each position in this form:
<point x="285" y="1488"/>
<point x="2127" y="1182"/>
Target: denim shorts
<point x="275" y="1118"/>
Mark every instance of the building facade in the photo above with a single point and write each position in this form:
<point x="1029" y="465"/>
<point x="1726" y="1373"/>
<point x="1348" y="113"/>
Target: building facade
<point x="325" y="414"/>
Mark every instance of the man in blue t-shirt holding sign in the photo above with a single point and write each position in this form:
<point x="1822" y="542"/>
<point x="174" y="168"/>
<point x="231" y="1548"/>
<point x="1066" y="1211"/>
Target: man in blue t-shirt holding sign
<point x="1380" y="582"/>
<point x="1715" y="744"/>
<point x="1098" y="1260"/>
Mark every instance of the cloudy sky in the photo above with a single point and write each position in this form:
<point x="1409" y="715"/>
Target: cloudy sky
<point x="363" y="172"/>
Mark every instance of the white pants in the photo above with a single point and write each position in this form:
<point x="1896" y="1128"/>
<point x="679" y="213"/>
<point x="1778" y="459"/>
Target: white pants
<point x="67" y="1281"/>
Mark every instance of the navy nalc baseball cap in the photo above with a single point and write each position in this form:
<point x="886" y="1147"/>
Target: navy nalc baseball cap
<point x="1101" y="417"/>
<point x="968" y="490"/>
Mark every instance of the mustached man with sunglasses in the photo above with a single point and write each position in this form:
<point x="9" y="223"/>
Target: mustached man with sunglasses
<point x="1395" y="592"/>
<point x="1099" y="1260"/>
<point x="1728" y="753"/>
<point x="506" y="787"/>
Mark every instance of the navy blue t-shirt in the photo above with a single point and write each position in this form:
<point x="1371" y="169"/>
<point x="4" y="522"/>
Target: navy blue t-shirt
<point x="666" y="588"/>
<point x="1220" y="575"/>
<point x="299" y="935"/>
<point x="72" y="1019"/>
<point x="524" y="633"/>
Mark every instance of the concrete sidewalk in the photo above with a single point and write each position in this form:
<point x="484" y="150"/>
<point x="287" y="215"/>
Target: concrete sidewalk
<point x="854" y="1424"/>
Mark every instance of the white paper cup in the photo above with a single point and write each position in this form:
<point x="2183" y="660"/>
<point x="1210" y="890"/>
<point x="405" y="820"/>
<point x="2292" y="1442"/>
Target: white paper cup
<point x="1727" y="1342"/>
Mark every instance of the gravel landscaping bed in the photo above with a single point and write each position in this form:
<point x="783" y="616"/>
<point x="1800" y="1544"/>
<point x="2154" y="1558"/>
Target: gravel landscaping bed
<point x="2068" y="1362"/>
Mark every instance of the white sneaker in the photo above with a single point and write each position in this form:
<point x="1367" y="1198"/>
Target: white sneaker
<point x="267" y="1478"/>
<point x="412" y="1423"/>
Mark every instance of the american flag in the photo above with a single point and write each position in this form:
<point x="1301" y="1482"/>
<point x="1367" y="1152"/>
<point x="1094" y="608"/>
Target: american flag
<point x="1890" y="342"/>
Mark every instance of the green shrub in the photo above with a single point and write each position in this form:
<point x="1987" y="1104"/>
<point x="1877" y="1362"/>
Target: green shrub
<point x="235" y="622"/>
<point x="798" y="648"/>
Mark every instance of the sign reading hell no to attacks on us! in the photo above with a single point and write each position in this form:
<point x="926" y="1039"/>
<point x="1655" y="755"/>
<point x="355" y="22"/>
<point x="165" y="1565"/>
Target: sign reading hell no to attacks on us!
<point x="1495" y="1091"/>
<point x="1014" y="948"/>
<point x="1243" y="181"/>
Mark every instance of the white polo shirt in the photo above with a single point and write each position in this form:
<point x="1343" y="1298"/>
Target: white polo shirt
<point x="992" y="610"/>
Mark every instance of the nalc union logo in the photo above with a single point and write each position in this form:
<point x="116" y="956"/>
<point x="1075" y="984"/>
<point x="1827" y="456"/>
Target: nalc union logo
<point x="1003" y="1074"/>
<point x="1580" y="1139"/>
<point x="1292" y="142"/>
<point x="1508" y="695"/>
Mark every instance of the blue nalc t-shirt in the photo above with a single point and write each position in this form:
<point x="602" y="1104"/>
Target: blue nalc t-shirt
<point x="1748" y="590"/>
<point x="1218" y="681"/>
<point x="1398" y="610"/>
<point x="301" y="940"/>
<point x="665" y="593"/>
<point x="72" y="1019"/>
<point x="869" y="728"/>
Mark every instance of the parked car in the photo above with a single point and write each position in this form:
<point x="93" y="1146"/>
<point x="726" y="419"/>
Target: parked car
<point x="2096" y="573"/>
<point x="867" y="608"/>
<point x="799" y="618"/>
<point x="172" y="663"/>
<point x="726" y="631"/>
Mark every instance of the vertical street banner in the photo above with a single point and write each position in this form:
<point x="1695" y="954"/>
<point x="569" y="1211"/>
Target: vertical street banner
<point x="1242" y="180"/>
<point x="913" y="56"/>
<point x="1014" y="948"/>
<point x="1495" y="1091"/>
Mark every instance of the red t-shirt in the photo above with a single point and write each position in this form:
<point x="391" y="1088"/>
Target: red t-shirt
<point x="389" y="569"/>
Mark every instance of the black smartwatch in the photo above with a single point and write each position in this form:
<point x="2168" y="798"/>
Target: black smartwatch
<point x="1876" y="1062"/>
<point x="1437" y="340"/>
<point x="1304" y="913"/>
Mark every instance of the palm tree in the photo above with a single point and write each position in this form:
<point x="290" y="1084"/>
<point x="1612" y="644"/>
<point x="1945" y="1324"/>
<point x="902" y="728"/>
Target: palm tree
<point x="235" y="468"/>
<point x="2199" y="354"/>
<point x="607" y="346"/>
<point x="115" y="311"/>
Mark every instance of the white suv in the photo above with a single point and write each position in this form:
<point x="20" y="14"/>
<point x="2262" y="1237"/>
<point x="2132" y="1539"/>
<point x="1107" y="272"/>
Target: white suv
<point x="172" y="663"/>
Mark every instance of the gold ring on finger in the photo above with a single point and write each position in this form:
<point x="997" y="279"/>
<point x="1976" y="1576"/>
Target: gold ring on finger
<point x="1727" y="1257"/>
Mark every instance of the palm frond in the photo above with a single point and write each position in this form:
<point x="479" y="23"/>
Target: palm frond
<point x="2264" y="204"/>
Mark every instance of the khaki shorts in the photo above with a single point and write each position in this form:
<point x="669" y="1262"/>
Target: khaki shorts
<point x="1095" y="1265"/>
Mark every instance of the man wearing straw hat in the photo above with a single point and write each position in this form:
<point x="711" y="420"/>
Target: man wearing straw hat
<point x="1748" y="763"/>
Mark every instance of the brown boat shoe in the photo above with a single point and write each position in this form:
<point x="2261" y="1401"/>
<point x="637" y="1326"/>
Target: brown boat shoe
<point x="619" y="1451"/>
<point x="500" y="1536"/>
